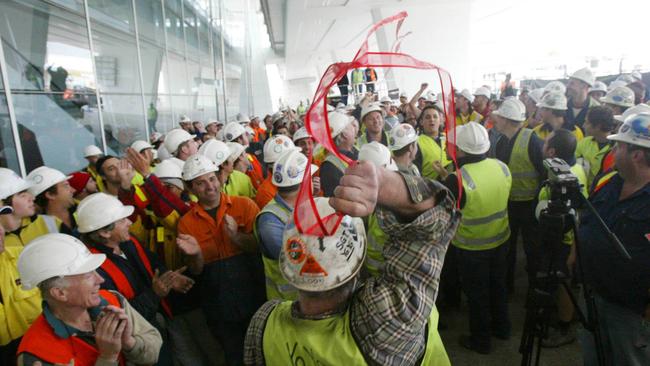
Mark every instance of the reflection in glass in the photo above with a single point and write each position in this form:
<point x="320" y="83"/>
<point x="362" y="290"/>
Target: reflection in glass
<point x="123" y="121"/>
<point x="8" y="157"/>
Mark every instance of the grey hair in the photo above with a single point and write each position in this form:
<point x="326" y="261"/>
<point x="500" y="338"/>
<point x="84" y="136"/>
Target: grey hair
<point x="50" y="283"/>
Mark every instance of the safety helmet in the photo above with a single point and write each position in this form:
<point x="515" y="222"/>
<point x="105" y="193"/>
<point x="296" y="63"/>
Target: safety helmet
<point x="472" y="138"/>
<point x="639" y="108"/>
<point x="536" y="95"/>
<point x="598" y="86"/>
<point x="635" y="131"/>
<point x="100" y="210"/>
<point x="483" y="91"/>
<point x="385" y="99"/>
<point x="377" y="154"/>
<point x="465" y="93"/>
<point x="431" y="97"/>
<point x="11" y="183"/>
<point x="555" y="86"/>
<point x="211" y="121"/>
<point x="43" y="178"/>
<point x="300" y="134"/>
<point x="215" y="150"/>
<point x="220" y="136"/>
<point x="615" y="84"/>
<point x="236" y="149"/>
<point x="402" y="135"/>
<point x="290" y="167"/>
<point x="249" y="130"/>
<point x="637" y="75"/>
<point x="163" y="154"/>
<point x="555" y="101"/>
<point x="170" y="172"/>
<point x="585" y="75"/>
<point x="175" y="138"/>
<point x="185" y="119"/>
<point x="373" y="107"/>
<point x="512" y="109"/>
<point x="156" y="136"/>
<point x="140" y="145"/>
<point x="232" y="131"/>
<point x="627" y="79"/>
<point x="275" y="146"/>
<point x="276" y="117"/>
<point x="338" y="122"/>
<point x="55" y="255"/>
<point x="196" y="166"/>
<point x="318" y="264"/>
<point x="92" y="150"/>
<point x="621" y="96"/>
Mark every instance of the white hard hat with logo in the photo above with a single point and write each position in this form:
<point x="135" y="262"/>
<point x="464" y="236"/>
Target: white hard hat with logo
<point x="55" y="255"/>
<point x="100" y="210"/>
<point x="585" y="75"/>
<point x="275" y="146"/>
<point x="616" y="84"/>
<point x="317" y="264"/>
<point x="301" y="134"/>
<point x="163" y="154"/>
<point x="43" y="178"/>
<point x="635" y="131"/>
<point x="196" y="166"/>
<point x="555" y="86"/>
<point x="215" y="150"/>
<point x="536" y="95"/>
<point x="11" y="183"/>
<point x="472" y="138"/>
<point x="377" y="154"/>
<point x="621" y="96"/>
<point x="175" y="138"/>
<point x="639" y="108"/>
<point x="170" y="172"/>
<point x="512" y="109"/>
<point x="465" y="93"/>
<point x="338" y="122"/>
<point x="483" y="91"/>
<point x="92" y="150"/>
<point x="554" y="101"/>
<point x="290" y="167"/>
<point x="236" y="149"/>
<point x="402" y="135"/>
<point x="373" y="107"/>
<point x="232" y="131"/>
<point x="140" y="145"/>
<point x="598" y="86"/>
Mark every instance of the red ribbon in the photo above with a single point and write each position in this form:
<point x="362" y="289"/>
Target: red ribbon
<point x="305" y="214"/>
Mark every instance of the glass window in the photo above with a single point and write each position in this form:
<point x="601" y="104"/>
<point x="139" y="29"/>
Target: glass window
<point x="191" y="35"/>
<point x="123" y="121"/>
<point x="8" y="157"/>
<point x="174" y="26"/>
<point x="178" y="74"/>
<point x="159" y="112"/>
<point x="150" y="22"/>
<point x="154" y="68"/>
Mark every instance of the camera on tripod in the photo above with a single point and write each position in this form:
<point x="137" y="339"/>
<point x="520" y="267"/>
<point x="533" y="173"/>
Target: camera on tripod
<point x="563" y="185"/>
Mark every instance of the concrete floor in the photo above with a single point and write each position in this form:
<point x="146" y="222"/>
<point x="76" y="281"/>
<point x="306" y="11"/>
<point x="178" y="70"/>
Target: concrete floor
<point x="503" y="352"/>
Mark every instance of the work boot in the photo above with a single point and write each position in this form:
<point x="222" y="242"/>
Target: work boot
<point x="559" y="337"/>
<point x="467" y="342"/>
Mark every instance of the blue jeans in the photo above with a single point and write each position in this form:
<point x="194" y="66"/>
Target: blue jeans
<point x="625" y="335"/>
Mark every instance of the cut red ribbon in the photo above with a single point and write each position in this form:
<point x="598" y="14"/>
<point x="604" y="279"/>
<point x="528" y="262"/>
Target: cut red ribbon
<point x="306" y="217"/>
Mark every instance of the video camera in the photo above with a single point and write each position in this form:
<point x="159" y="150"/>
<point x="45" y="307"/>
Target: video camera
<point x="563" y="185"/>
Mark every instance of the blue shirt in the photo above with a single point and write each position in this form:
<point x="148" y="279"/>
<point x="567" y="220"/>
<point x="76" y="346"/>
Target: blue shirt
<point x="618" y="280"/>
<point x="270" y="229"/>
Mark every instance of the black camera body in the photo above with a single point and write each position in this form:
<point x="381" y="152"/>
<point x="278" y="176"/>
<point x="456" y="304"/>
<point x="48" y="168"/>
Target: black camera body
<point x="564" y="186"/>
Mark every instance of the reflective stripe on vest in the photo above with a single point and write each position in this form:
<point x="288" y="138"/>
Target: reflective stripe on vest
<point x="603" y="181"/>
<point x="525" y="178"/>
<point x="276" y="286"/>
<point x="338" y="163"/>
<point x="293" y="341"/>
<point x="121" y="282"/>
<point x="376" y="240"/>
<point x="50" y="223"/>
<point x="484" y="224"/>
<point x="431" y="152"/>
<point x="41" y="341"/>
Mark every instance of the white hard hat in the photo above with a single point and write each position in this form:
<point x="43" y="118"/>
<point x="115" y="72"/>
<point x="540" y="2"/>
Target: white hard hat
<point x="472" y="138"/>
<point x="431" y="97"/>
<point x="616" y="84"/>
<point x="403" y="95"/>
<point x="373" y="107"/>
<point x="100" y="210"/>
<point x="140" y="145"/>
<point x="156" y="136"/>
<point x="276" y="117"/>
<point x="635" y="131"/>
<point x="185" y="119"/>
<point x="465" y="93"/>
<point x="196" y="166"/>
<point x="290" y="167"/>
<point x="598" y="86"/>
<point x="43" y="178"/>
<point x="637" y="75"/>
<point x="55" y="255"/>
<point x="170" y="172"/>
<point x="621" y="96"/>
<point x="175" y="138"/>
<point x="275" y="146"/>
<point x="330" y="108"/>
<point x="555" y="101"/>
<point x="627" y="79"/>
<point x="585" y="75"/>
<point x="536" y="95"/>
<point x="340" y="106"/>
<point x="249" y="130"/>
<point x="483" y="91"/>
<point x="316" y="264"/>
<point x="213" y="121"/>
<point x="402" y="135"/>
<point x="639" y="108"/>
<point x="338" y="122"/>
<point x="220" y="135"/>
<point x="301" y="134"/>
<point x="92" y="150"/>
<point x="385" y="99"/>
<point x="11" y="183"/>
<point x="232" y="131"/>
<point x="163" y="154"/>
<point x="236" y="149"/>
<point x="512" y="109"/>
<point x="215" y="150"/>
<point x="555" y="86"/>
<point x="377" y="154"/>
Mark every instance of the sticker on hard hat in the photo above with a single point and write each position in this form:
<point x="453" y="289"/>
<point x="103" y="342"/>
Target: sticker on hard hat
<point x="220" y="155"/>
<point x="277" y="177"/>
<point x="293" y="172"/>
<point x="229" y="136"/>
<point x="400" y="132"/>
<point x="295" y="250"/>
<point x="37" y="178"/>
<point x="312" y="268"/>
<point x="277" y="148"/>
<point x="347" y="239"/>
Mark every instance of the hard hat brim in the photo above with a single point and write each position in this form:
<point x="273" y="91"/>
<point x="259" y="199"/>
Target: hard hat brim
<point x="496" y="113"/>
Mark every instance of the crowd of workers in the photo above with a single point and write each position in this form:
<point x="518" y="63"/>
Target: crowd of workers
<point x="184" y="250"/>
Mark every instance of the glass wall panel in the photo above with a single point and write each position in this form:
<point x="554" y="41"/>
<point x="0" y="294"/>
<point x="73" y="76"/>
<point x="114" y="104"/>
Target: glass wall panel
<point x="8" y="156"/>
<point x="150" y="21"/>
<point x="123" y="121"/>
<point x="174" y="26"/>
<point x="161" y="119"/>
<point x="191" y="34"/>
<point x="178" y="74"/>
<point x="154" y="69"/>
